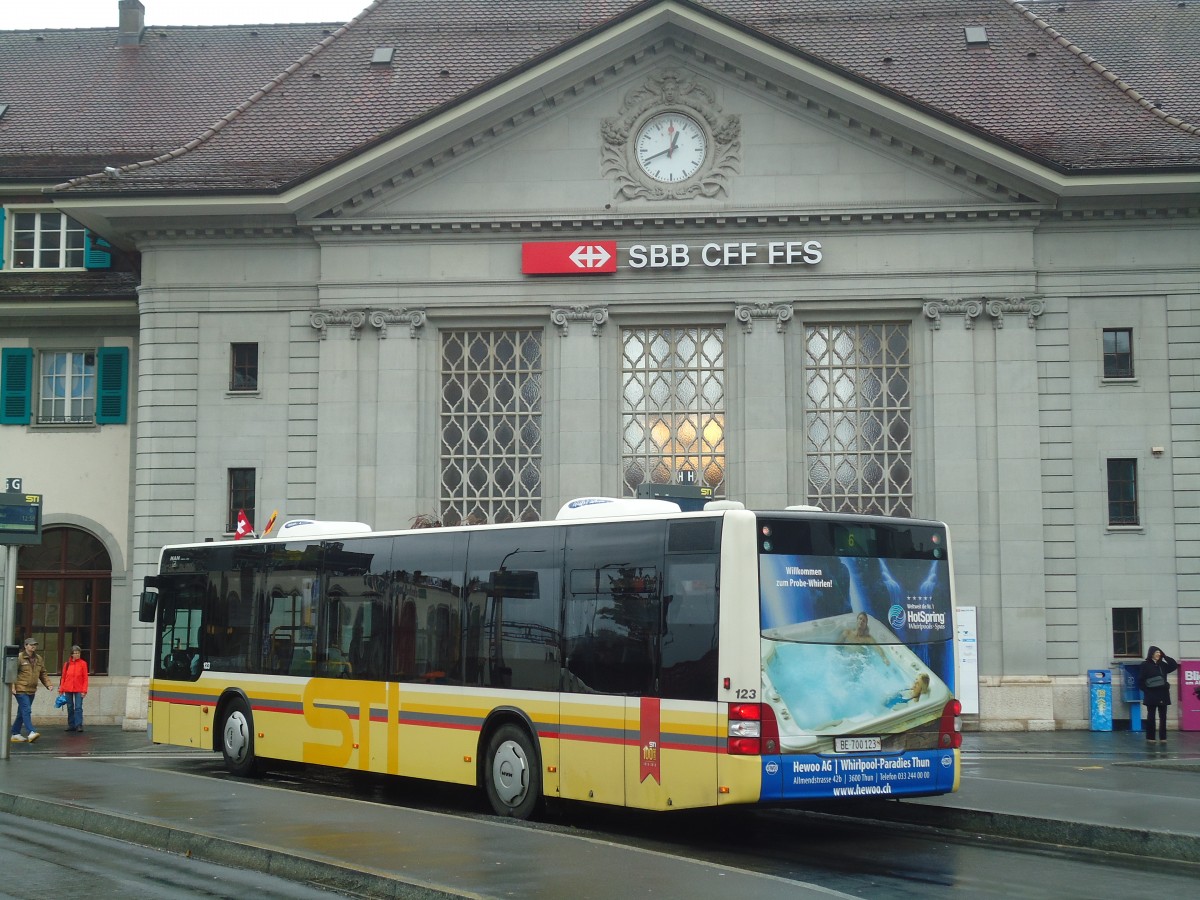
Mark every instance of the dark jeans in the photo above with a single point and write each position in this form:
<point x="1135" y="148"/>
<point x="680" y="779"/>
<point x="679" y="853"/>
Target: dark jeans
<point x="75" y="711"/>
<point x="1162" y="721"/>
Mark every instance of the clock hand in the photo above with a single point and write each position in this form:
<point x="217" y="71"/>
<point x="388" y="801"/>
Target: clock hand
<point x="674" y="141"/>
<point x="666" y="152"/>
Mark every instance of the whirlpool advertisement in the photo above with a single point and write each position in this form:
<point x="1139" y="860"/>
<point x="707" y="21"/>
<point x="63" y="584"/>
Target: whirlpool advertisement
<point x="858" y="666"/>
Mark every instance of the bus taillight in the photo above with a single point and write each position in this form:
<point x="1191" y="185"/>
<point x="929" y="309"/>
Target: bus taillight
<point x="753" y="730"/>
<point x="950" y="727"/>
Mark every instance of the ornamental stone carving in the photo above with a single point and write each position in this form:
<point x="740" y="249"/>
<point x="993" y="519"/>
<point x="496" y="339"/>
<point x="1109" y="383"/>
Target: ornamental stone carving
<point x="746" y="313"/>
<point x="323" y="318"/>
<point x="563" y="316"/>
<point x="380" y="319"/>
<point x="970" y="309"/>
<point x="671" y="90"/>
<point x="413" y="318"/>
<point x="1033" y="307"/>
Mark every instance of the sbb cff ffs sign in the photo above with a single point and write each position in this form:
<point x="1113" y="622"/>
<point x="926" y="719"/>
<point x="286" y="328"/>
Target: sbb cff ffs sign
<point x="569" y="258"/>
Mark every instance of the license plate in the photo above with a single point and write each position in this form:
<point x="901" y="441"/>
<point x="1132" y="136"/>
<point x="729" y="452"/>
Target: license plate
<point x="857" y="745"/>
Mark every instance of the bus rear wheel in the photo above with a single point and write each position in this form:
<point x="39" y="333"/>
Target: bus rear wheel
<point x="237" y="740"/>
<point x="512" y="776"/>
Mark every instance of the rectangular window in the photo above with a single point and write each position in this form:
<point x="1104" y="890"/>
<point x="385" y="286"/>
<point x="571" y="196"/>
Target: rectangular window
<point x="241" y="497"/>
<point x="47" y="240"/>
<point x="1118" y="352"/>
<point x="67" y="394"/>
<point x="243" y="367"/>
<point x="1127" y="631"/>
<point x="1122" y="492"/>
<point x="73" y="387"/>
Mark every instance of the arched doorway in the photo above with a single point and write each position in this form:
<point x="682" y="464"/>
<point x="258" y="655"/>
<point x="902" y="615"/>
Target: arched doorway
<point x="64" y="597"/>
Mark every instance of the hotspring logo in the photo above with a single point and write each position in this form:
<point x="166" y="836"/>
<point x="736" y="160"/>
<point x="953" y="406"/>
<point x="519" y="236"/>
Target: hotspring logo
<point x="919" y="617"/>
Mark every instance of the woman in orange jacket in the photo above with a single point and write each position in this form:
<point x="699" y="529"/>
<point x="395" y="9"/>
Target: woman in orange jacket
<point x="73" y="681"/>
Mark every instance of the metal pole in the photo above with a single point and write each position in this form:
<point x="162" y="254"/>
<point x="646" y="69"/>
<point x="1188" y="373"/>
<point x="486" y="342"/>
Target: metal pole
<point x="7" y="617"/>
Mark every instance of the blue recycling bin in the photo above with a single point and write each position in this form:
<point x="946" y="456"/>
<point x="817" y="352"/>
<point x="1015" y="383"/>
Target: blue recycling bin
<point x="1100" y="699"/>
<point x="1132" y="694"/>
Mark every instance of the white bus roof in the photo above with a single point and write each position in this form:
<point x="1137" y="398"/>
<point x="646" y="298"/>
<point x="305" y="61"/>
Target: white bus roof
<point x="613" y="507"/>
<point x="316" y="528"/>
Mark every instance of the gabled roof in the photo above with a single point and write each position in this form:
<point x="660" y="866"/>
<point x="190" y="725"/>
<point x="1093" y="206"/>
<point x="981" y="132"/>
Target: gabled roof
<point x="1077" y="106"/>
<point x="77" y="102"/>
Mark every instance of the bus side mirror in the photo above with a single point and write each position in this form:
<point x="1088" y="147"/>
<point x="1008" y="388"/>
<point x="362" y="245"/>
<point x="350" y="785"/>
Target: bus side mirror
<point x="149" y="600"/>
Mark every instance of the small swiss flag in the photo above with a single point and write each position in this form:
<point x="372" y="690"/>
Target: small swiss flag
<point x="244" y="528"/>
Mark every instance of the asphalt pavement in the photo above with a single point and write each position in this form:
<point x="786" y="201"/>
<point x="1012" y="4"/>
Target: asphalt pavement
<point x="1107" y="791"/>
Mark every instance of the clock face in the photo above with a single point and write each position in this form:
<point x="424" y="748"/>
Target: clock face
<point x="670" y="147"/>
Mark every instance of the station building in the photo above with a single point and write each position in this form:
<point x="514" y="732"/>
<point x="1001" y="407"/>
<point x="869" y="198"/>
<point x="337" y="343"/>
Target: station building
<point x="464" y="262"/>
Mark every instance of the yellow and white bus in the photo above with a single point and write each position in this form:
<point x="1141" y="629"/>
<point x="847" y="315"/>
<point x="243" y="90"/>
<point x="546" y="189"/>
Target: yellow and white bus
<point x="626" y="653"/>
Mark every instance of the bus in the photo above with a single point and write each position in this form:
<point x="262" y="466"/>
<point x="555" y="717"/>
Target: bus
<point x="625" y="653"/>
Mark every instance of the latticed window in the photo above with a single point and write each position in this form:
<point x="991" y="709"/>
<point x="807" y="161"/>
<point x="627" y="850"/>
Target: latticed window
<point x="673" y="407"/>
<point x="491" y="426"/>
<point x="857" y="418"/>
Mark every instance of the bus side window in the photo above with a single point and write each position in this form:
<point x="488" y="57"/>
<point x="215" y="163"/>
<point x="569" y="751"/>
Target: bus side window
<point x="689" y="663"/>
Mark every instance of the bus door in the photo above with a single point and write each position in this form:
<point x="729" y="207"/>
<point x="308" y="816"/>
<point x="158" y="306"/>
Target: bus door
<point x="176" y="708"/>
<point x="674" y="731"/>
<point x="611" y="647"/>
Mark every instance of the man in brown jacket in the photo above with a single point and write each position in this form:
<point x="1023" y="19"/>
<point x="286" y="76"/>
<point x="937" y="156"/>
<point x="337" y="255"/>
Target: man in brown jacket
<point x="30" y="671"/>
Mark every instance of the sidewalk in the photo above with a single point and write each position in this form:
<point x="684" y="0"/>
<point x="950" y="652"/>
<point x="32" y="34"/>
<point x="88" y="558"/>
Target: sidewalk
<point x="1110" y="791"/>
<point x="1106" y="791"/>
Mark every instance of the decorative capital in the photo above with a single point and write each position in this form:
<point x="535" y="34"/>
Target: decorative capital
<point x="968" y="309"/>
<point x="562" y="316"/>
<point x="996" y="307"/>
<point x="746" y="313"/>
<point x="1033" y="307"/>
<point x="323" y="318"/>
<point x="413" y="318"/>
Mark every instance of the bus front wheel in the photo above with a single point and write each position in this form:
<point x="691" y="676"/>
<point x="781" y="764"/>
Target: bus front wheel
<point x="512" y="776"/>
<point x="237" y="740"/>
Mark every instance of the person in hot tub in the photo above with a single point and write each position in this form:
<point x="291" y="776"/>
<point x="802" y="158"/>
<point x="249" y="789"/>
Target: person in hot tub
<point x="861" y="634"/>
<point x="919" y="688"/>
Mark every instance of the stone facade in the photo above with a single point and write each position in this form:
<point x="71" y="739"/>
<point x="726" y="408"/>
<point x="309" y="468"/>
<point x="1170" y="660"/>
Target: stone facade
<point x="1003" y="274"/>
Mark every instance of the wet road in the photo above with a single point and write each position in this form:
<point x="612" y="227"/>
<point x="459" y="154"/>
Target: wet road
<point x="42" y="860"/>
<point x="877" y="860"/>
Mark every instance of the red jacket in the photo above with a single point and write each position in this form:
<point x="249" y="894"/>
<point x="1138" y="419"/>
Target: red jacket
<point x="74" y="677"/>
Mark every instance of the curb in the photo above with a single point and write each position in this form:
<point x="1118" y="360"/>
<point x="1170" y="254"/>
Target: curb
<point x="1136" y="843"/>
<point x="209" y="848"/>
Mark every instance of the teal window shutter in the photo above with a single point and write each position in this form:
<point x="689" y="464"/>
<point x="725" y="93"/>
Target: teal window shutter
<point x="16" y="385"/>
<point x="1" y="237"/>
<point x="112" y="385"/>
<point x="96" y="253"/>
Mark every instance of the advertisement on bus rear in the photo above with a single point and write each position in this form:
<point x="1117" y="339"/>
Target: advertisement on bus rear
<point x="858" y="668"/>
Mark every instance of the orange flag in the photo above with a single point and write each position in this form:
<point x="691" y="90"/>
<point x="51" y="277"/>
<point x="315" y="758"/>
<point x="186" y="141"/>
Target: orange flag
<point x="270" y="524"/>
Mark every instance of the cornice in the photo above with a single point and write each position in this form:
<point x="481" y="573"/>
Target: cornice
<point x="556" y="223"/>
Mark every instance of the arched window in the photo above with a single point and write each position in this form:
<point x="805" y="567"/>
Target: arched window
<point x="64" y="597"/>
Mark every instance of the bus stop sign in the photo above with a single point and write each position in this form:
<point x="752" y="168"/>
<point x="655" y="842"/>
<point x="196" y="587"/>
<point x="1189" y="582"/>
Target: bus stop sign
<point x="20" y="518"/>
